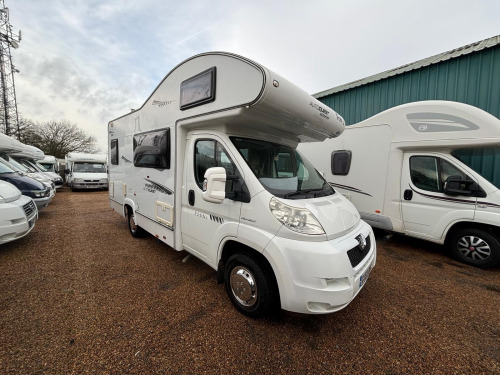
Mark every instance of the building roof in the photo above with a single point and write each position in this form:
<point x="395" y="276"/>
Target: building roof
<point x="470" y="48"/>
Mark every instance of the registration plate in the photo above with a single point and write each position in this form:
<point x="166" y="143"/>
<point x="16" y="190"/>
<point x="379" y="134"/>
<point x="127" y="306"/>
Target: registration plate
<point x="364" y="277"/>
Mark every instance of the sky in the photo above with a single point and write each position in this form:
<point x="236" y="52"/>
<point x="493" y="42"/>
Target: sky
<point x="91" y="61"/>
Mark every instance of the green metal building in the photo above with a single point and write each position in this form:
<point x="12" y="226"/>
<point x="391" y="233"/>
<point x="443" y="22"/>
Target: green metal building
<point x="470" y="74"/>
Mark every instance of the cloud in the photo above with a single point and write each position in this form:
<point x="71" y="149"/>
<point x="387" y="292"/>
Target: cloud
<point x="91" y="61"/>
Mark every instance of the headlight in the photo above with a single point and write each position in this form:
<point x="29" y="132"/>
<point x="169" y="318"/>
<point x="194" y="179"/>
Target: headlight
<point x="38" y="193"/>
<point x="78" y="180"/>
<point x="297" y="219"/>
<point x="103" y="180"/>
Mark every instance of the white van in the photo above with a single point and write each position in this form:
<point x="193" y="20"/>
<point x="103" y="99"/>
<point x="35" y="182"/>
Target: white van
<point x="86" y="171"/>
<point x="18" y="213"/>
<point x="209" y="165"/>
<point x="405" y="171"/>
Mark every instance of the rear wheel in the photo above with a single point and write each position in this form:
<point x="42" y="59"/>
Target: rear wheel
<point x="475" y="247"/>
<point x="250" y="286"/>
<point x="135" y="230"/>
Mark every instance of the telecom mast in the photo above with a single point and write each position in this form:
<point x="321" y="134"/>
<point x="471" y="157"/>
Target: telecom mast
<point x="9" y="120"/>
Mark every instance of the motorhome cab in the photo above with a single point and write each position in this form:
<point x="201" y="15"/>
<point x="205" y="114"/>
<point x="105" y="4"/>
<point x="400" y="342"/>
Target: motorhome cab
<point x="209" y="165"/>
<point x="18" y="213"/>
<point x="86" y="171"/>
<point x="427" y="169"/>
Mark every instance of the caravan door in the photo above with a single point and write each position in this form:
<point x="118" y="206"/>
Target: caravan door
<point x="426" y="210"/>
<point x="206" y="224"/>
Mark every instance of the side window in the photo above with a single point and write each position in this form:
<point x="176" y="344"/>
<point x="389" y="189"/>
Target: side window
<point x="341" y="162"/>
<point x="114" y="152"/>
<point x="430" y="173"/>
<point x="447" y="170"/>
<point x="208" y="154"/>
<point x="424" y="172"/>
<point x="152" y="149"/>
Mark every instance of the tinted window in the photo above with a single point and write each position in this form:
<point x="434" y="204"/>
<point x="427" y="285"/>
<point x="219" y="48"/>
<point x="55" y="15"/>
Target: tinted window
<point x="430" y="173"/>
<point x="341" y="162"/>
<point x="208" y="154"/>
<point x="152" y="150"/>
<point x="114" y="152"/>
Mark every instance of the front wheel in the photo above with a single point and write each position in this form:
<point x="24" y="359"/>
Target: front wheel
<point x="250" y="286"/>
<point x="475" y="247"/>
<point x="135" y="230"/>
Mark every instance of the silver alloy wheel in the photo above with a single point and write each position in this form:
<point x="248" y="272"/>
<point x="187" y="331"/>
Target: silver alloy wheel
<point x="243" y="286"/>
<point x="474" y="248"/>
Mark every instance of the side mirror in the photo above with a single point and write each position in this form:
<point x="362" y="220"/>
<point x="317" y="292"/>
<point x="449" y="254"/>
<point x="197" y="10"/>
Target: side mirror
<point x="455" y="185"/>
<point x="214" y="186"/>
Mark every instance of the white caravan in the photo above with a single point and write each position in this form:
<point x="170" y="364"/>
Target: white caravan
<point x="402" y="171"/>
<point x="86" y="171"/>
<point x="49" y="162"/>
<point x="18" y="213"/>
<point x="31" y="157"/>
<point x="208" y="165"/>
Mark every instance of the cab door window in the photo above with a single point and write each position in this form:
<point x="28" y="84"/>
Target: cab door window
<point x="430" y="173"/>
<point x="208" y="154"/>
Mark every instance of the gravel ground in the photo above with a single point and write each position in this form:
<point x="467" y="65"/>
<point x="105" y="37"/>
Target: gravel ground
<point x="80" y="295"/>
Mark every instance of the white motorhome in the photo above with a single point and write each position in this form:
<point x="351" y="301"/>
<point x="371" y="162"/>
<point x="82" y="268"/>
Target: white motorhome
<point x="405" y="171"/>
<point x="86" y="171"/>
<point x="209" y="165"/>
<point x="18" y="213"/>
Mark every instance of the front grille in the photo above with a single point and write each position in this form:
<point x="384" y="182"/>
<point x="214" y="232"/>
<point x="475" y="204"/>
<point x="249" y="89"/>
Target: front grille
<point x="29" y="208"/>
<point x="356" y="254"/>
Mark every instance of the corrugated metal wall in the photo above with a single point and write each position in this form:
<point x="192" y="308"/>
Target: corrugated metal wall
<point x="472" y="79"/>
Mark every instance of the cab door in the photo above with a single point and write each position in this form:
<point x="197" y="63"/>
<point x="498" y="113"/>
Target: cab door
<point x="205" y="224"/>
<point x="426" y="210"/>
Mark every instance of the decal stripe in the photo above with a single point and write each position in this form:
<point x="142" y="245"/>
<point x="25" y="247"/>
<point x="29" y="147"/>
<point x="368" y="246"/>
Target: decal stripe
<point x="435" y="197"/>
<point x="350" y="188"/>
<point x="160" y="187"/>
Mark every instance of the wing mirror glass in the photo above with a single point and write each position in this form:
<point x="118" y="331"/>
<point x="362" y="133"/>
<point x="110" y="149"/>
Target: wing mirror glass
<point x="214" y="186"/>
<point x="455" y="185"/>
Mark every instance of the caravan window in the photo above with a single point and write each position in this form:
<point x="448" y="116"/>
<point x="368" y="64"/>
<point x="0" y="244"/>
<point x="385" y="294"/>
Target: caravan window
<point x="114" y="152"/>
<point x="208" y="154"/>
<point x="152" y="149"/>
<point x="341" y="162"/>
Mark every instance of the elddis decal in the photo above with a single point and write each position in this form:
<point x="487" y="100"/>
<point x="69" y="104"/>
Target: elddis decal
<point x="152" y="187"/>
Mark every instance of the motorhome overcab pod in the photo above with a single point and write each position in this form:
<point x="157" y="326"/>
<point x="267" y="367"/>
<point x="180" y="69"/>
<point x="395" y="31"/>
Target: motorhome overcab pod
<point x="209" y="165"/>
<point x="427" y="169"/>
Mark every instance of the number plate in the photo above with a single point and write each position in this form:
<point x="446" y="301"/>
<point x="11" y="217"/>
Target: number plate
<point x="364" y="277"/>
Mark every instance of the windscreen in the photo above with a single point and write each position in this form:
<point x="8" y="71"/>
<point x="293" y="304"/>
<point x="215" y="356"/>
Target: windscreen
<point x="282" y="170"/>
<point x="89" y="167"/>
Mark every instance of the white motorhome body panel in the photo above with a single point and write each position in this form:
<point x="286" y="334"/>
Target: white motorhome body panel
<point x="195" y="116"/>
<point x="9" y="144"/>
<point x="392" y="193"/>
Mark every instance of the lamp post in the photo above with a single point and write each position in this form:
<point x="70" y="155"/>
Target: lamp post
<point x="9" y="120"/>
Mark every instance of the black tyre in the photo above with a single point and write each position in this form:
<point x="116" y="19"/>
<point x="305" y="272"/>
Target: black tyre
<point x="135" y="230"/>
<point x="250" y="286"/>
<point x="475" y="247"/>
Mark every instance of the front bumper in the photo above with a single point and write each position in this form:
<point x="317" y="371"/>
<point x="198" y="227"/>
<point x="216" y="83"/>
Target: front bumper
<point x="318" y="277"/>
<point x="89" y="185"/>
<point x="17" y="219"/>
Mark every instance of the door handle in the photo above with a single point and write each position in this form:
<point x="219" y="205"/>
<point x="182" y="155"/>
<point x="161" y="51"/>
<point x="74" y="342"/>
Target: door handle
<point x="191" y="197"/>
<point x="408" y="195"/>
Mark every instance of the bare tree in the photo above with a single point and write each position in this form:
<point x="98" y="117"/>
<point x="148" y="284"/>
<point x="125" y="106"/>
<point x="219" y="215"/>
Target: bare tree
<point x="57" y="137"/>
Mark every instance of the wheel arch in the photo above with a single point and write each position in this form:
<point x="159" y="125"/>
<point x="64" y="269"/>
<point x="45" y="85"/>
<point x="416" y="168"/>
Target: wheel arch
<point x="492" y="229"/>
<point x="231" y="247"/>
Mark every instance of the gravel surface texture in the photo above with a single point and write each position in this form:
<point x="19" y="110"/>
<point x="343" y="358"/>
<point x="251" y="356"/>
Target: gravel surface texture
<point x="80" y="295"/>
